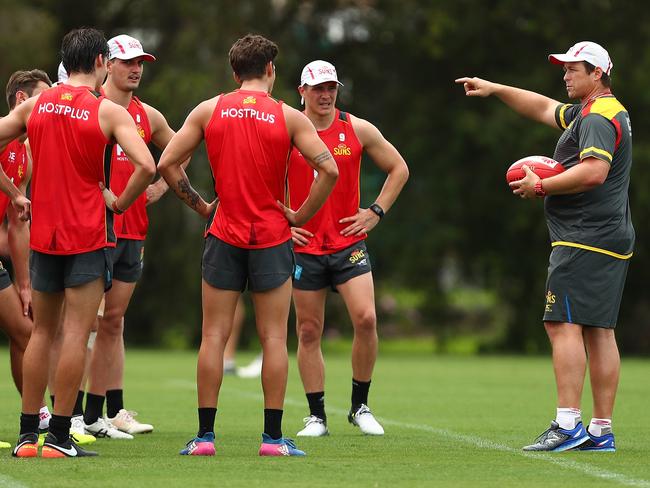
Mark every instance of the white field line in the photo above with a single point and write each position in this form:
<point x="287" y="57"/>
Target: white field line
<point x="556" y="459"/>
<point x="9" y="482"/>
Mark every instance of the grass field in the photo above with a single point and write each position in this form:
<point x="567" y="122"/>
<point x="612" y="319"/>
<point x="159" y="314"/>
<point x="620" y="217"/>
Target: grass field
<point x="450" y="421"/>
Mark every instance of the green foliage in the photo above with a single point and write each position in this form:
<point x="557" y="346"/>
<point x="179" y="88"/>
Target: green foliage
<point x="398" y="60"/>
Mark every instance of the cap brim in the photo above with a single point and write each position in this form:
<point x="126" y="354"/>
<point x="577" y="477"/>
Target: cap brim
<point x="318" y="82"/>
<point x="145" y="56"/>
<point x="563" y="58"/>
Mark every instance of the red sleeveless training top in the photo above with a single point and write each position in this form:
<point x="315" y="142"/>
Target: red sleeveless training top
<point x="248" y="147"/>
<point x="71" y="155"/>
<point x="14" y="163"/>
<point x="134" y="222"/>
<point x="346" y="149"/>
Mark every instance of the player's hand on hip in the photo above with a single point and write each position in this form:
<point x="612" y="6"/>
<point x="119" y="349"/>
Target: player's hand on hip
<point x="153" y="193"/>
<point x="290" y="215"/>
<point x="360" y="223"/>
<point x="23" y="206"/>
<point x="476" y="87"/>
<point x="209" y="209"/>
<point x="300" y="236"/>
<point x="109" y="196"/>
<point x="525" y="188"/>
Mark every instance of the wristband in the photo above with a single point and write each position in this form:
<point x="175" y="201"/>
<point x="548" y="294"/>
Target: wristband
<point x="539" y="190"/>
<point x="115" y="208"/>
<point x="377" y="209"/>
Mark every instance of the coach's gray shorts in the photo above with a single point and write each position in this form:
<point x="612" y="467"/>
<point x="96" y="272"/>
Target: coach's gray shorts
<point x="584" y="287"/>
<point x="128" y="260"/>
<point x="53" y="273"/>
<point x="233" y="268"/>
<point x="315" y="271"/>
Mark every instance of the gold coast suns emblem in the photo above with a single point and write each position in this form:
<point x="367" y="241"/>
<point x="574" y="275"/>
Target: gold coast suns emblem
<point x="250" y="100"/>
<point x="66" y="96"/>
<point x="140" y="131"/>
<point x="21" y="171"/>
<point x="550" y="301"/>
<point x="342" y="150"/>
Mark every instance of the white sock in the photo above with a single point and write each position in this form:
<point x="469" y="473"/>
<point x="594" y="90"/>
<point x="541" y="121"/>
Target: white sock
<point x="228" y="363"/>
<point x="600" y="427"/>
<point x="568" y="418"/>
<point x="44" y="418"/>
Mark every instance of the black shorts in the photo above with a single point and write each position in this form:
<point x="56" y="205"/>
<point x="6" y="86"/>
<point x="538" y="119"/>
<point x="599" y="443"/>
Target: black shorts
<point x="584" y="287"/>
<point x="5" y="279"/>
<point x="128" y="260"/>
<point x="233" y="268"/>
<point x="53" y="273"/>
<point x="315" y="271"/>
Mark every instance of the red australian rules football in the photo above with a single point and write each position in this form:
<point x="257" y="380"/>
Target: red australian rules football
<point x="540" y="165"/>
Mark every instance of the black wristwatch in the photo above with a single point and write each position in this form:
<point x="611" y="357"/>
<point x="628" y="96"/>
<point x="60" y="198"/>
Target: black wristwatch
<point x="377" y="209"/>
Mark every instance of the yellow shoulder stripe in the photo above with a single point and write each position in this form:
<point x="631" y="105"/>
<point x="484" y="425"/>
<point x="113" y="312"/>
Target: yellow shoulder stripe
<point x="591" y="248"/>
<point x="562" y="110"/>
<point x="597" y="151"/>
<point x="607" y="107"/>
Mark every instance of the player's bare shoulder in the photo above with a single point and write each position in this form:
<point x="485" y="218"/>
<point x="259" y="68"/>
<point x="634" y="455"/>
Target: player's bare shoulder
<point x="295" y="120"/>
<point x="202" y="113"/>
<point x="365" y="131"/>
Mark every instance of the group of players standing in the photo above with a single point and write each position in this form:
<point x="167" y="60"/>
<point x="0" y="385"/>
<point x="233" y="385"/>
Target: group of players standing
<point x="275" y="171"/>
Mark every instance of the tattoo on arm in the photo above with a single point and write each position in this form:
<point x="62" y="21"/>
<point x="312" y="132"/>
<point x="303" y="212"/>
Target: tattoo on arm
<point x="187" y="193"/>
<point x="322" y="157"/>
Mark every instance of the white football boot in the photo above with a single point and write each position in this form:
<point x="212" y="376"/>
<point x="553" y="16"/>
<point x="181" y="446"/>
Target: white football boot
<point x="253" y="370"/>
<point x="103" y="428"/>
<point x="314" y="427"/>
<point x="365" y="420"/>
<point x="125" y="422"/>
<point x="78" y="431"/>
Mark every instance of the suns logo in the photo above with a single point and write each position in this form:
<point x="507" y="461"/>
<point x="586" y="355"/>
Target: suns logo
<point x="357" y="255"/>
<point x="66" y="96"/>
<point x="140" y="131"/>
<point x="250" y="100"/>
<point x="21" y="171"/>
<point x="342" y="150"/>
<point x="550" y="300"/>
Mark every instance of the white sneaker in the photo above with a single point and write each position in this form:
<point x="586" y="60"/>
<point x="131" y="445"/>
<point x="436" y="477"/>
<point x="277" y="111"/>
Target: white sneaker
<point x="103" y="428"/>
<point x="125" y="422"/>
<point x="365" y="420"/>
<point x="314" y="427"/>
<point x="78" y="431"/>
<point x="253" y="370"/>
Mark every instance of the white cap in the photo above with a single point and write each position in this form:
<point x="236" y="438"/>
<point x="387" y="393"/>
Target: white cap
<point x="593" y="53"/>
<point x="318" y="72"/>
<point x="62" y="74"/>
<point x="127" y="47"/>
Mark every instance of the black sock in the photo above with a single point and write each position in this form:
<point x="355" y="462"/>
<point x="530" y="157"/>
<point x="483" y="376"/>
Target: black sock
<point x="359" y="393"/>
<point x="206" y="420"/>
<point x="60" y="427"/>
<point x="273" y="422"/>
<point x="29" y="423"/>
<point x="94" y="408"/>
<point x="52" y="399"/>
<point x="114" y="402"/>
<point x="79" y="404"/>
<point x="316" y="402"/>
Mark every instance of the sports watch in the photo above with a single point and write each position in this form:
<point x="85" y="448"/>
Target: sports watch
<point x="377" y="209"/>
